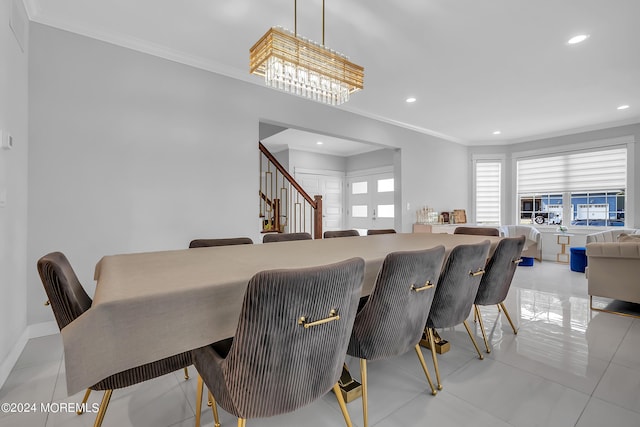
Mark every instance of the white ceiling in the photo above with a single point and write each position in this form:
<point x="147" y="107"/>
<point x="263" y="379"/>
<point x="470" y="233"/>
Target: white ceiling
<point x="308" y="141"/>
<point x="474" y="66"/>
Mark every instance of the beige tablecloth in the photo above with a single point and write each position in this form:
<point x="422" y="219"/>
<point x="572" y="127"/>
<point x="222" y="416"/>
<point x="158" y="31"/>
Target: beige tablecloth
<point x="148" y="306"/>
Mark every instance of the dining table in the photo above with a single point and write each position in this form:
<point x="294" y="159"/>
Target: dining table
<point x="152" y="305"/>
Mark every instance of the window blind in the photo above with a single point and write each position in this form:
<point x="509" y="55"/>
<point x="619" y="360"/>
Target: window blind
<point x="583" y="171"/>
<point x="488" y="192"/>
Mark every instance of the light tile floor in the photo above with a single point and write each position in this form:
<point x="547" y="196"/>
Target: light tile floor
<point x="566" y="367"/>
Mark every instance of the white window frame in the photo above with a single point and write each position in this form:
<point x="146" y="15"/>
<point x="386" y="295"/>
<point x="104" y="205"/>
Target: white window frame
<point x="627" y="141"/>
<point x="491" y="158"/>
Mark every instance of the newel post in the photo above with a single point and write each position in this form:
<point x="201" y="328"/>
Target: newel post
<point x="317" y="218"/>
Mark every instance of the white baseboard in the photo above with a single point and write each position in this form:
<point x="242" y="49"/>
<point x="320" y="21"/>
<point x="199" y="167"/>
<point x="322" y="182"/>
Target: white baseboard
<point x="31" y="331"/>
<point x="42" y="329"/>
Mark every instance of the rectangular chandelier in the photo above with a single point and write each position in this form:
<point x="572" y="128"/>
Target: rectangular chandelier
<point x="304" y="68"/>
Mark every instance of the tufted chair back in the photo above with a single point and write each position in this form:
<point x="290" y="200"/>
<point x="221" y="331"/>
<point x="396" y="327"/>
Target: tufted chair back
<point x="281" y="357"/>
<point x="372" y="232"/>
<point x="340" y="233"/>
<point x="206" y="243"/>
<point x="458" y="285"/>
<point x="393" y="318"/>
<point x="496" y="281"/>
<point x="285" y="237"/>
<point x="477" y="231"/>
<point x="66" y="295"/>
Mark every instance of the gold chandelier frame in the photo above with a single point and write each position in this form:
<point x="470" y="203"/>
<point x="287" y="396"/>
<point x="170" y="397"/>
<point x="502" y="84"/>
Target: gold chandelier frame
<point x="303" y="67"/>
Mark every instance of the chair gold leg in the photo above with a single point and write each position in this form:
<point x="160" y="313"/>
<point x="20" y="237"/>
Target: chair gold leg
<point x="242" y="422"/>
<point x="506" y="313"/>
<point x="477" y="312"/>
<point x="103" y="408"/>
<point x="84" y="401"/>
<point x="363" y="379"/>
<point x="432" y="344"/>
<point x="424" y="368"/>
<point x="343" y="406"/>
<point x="199" y="400"/>
<point x="186" y="373"/>
<point x="214" y="409"/>
<point x="473" y="340"/>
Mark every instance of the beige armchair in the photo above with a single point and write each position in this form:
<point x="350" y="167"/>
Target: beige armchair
<point x="533" y="243"/>
<point x="614" y="268"/>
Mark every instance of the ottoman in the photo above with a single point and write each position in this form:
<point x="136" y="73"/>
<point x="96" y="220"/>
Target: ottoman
<point x="578" y="259"/>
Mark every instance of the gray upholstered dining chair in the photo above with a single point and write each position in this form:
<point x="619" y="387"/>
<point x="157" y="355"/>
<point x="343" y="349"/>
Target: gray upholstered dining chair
<point x="206" y="243"/>
<point x="456" y="290"/>
<point x="340" y="233"/>
<point x="392" y="320"/>
<point x="285" y="237"/>
<point x="289" y="345"/>
<point x="69" y="300"/>
<point x="478" y="231"/>
<point x="496" y="280"/>
<point x="372" y="232"/>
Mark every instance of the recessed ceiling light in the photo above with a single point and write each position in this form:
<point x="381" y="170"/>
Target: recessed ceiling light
<point x="578" y="39"/>
<point x="411" y="99"/>
<point x="497" y="132"/>
<point x="319" y="143"/>
<point x="623" y="107"/>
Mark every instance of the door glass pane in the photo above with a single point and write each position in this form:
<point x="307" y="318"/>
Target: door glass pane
<point x="385" y="185"/>
<point x="385" y="211"/>
<point x="359" y="187"/>
<point x="359" y="211"/>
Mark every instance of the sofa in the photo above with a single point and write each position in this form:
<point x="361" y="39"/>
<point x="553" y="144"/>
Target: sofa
<point x="533" y="243"/>
<point x="610" y="235"/>
<point x="614" y="265"/>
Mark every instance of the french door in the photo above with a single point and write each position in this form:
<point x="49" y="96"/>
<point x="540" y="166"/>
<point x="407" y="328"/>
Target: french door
<point x="370" y="201"/>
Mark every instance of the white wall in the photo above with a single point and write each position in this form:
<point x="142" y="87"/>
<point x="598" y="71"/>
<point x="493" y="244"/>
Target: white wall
<point x="13" y="181"/>
<point x="130" y="152"/>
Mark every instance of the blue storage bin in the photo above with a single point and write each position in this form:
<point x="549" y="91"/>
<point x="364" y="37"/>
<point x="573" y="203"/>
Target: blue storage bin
<point x="578" y="259"/>
<point x="526" y="262"/>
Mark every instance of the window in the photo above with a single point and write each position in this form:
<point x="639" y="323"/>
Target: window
<point x="598" y="208"/>
<point x="359" y="187"/>
<point x="359" y="211"/>
<point x="487" y="192"/>
<point x="577" y="188"/>
<point x="385" y="185"/>
<point x="386" y="211"/>
<point x="541" y="209"/>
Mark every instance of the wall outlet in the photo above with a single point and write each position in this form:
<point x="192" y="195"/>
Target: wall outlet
<point x="6" y="140"/>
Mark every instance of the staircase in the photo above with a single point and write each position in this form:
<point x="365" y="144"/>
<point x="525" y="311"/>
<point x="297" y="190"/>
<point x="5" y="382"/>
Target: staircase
<point x="284" y="205"/>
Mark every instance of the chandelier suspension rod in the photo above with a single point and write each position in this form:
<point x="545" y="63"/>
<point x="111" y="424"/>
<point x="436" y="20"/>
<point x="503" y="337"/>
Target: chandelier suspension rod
<point x="295" y="19"/>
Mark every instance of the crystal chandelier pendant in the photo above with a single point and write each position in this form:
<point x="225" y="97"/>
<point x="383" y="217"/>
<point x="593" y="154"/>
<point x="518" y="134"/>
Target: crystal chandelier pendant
<point x="304" y="68"/>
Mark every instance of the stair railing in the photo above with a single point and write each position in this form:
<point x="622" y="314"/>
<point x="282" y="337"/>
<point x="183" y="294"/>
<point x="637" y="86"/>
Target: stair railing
<point x="284" y="205"/>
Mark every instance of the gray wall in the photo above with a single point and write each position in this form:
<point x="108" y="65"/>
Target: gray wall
<point x="129" y="152"/>
<point x="371" y="160"/>
<point x="13" y="181"/>
<point x="307" y="160"/>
